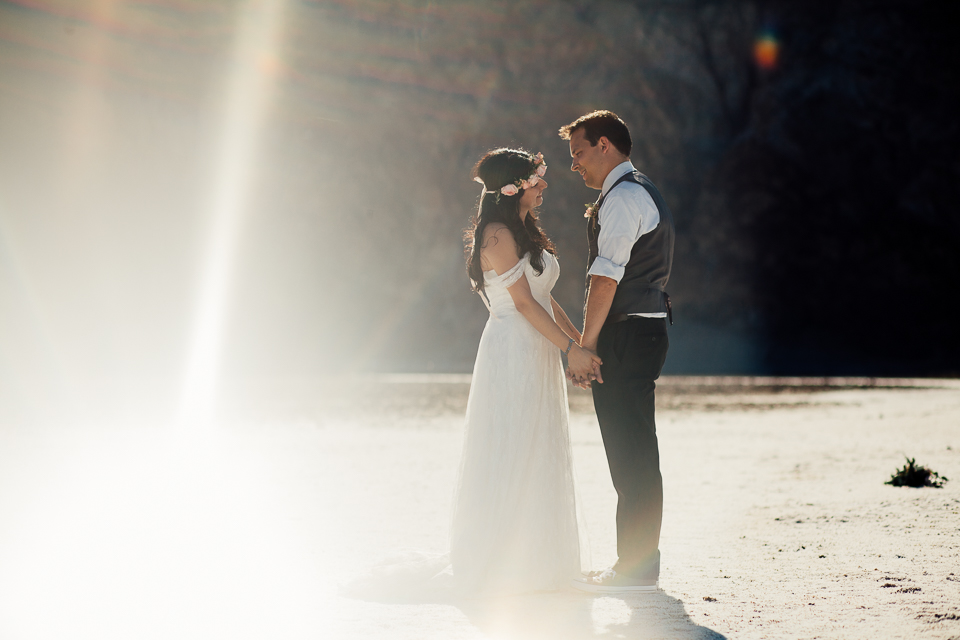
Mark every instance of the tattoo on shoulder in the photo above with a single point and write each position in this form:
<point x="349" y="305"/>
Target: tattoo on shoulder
<point x="491" y="241"/>
<point x="492" y="237"/>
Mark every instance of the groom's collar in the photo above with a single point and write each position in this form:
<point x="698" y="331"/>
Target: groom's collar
<point x="615" y="174"/>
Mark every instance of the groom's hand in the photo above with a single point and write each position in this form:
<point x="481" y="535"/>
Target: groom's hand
<point x="583" y="366"/>
<point x="573" y="380"/>
<point x="594" y="373"/>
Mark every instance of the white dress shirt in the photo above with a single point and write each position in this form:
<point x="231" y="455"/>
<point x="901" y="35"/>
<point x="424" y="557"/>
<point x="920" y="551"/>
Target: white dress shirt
<point x="625" y="215"/>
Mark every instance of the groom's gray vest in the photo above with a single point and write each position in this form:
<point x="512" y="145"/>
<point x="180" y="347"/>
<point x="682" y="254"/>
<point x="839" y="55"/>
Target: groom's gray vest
<point x="641" y="290"/>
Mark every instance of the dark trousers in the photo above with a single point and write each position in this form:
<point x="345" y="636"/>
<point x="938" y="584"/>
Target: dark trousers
<point x="633" y="353"/>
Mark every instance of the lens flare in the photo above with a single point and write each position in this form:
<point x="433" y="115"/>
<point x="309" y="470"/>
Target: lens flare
<point x="245" y="102"/>
<point x="766" y="51"/>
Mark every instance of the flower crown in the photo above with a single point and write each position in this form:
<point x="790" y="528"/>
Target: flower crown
<point x="513" y="188"/>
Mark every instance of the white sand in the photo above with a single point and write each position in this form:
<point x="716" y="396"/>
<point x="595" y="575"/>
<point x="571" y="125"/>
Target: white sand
<point x="775" y="508"/>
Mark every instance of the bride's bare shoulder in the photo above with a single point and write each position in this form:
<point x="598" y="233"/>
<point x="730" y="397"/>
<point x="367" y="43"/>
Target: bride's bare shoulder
<point x="498" y="249"/>
<point x="494" y="233"/>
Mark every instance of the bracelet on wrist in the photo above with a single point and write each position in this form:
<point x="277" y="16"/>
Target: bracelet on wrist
<point x="569" y="346"/>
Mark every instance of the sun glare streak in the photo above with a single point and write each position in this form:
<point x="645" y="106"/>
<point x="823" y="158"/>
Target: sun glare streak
<point x="39" y="326"/>
<point x="40" y="374"/>
<point x="245" y="101"/>
<point x="83" y="133"/>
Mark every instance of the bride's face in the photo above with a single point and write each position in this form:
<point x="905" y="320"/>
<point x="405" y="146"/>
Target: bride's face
<point x="532" y="197"/>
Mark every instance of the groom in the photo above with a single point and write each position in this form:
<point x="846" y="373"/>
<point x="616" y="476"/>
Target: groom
<point x="630" y="233"/>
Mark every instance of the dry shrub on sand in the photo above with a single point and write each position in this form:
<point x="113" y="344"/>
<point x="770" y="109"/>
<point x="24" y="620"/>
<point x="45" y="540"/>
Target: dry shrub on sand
<point x="912" y="475"/>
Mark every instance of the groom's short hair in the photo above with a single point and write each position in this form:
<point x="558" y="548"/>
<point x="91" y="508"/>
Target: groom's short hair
<point x="598" y="124"/>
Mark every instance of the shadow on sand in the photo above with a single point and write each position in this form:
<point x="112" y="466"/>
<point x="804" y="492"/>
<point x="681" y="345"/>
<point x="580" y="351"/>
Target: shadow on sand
<point x="573" y="615"/>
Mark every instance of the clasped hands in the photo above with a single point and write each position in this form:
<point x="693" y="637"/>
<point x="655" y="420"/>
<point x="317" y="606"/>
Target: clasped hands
<point x="583" y="366"/>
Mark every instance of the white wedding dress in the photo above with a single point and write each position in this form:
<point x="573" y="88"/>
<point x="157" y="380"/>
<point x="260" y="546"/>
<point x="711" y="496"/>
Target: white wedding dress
<point x="515" y="524"/>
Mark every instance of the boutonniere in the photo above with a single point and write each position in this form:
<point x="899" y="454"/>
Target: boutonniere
<point x="592" y="210"/>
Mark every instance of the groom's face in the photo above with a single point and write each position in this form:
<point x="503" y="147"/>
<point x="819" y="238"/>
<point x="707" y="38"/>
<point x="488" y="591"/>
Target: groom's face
<point x="588" y="160"/>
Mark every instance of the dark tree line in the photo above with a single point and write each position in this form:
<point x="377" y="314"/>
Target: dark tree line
<point x="842" y="168"/>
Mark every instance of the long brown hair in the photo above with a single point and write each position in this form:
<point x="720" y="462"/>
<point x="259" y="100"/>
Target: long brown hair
<point x="496" y="169"/>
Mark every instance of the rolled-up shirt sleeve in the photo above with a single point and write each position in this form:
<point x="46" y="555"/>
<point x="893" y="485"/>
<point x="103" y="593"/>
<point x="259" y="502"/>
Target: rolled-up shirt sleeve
<point x="606" y="267"/>
<point x="627" y="213"/>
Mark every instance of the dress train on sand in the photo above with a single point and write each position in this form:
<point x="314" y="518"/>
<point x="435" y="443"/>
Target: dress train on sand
<point x="515" y="524"/>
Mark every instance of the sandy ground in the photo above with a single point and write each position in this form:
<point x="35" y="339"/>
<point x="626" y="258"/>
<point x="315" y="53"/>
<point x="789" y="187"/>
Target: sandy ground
<point x="777" y="521"/>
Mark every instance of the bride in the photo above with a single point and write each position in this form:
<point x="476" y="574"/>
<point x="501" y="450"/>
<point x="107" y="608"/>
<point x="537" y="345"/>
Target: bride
<point x="515" y="525"/>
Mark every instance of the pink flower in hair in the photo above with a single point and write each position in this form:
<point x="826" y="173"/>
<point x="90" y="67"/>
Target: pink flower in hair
<point x="509" y="190"/>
